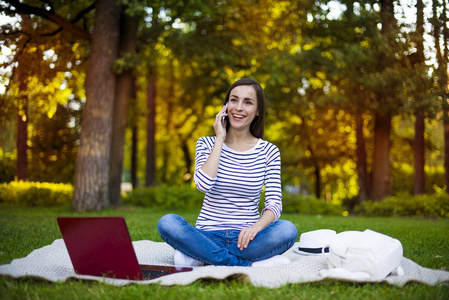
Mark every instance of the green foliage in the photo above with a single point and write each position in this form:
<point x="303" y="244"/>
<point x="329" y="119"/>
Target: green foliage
<point x="54" y="145"/>
<point x="7" y="169"/>
<point x="127" y="62"/>
<point x="402" y="178"/>
<point x="36" y="193"/>
<point x="165" y="197"/>
<point x="187" y="197"/>
<point x="318" y="65"/>
<point x="436" y="205"/>
<point x="307" y="205"/>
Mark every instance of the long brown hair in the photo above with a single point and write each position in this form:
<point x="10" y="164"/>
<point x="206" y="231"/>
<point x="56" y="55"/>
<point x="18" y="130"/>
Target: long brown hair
<point x="257" y="126"/>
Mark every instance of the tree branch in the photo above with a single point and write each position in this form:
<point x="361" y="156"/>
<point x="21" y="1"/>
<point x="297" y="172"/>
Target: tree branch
<point x="54" y="32"/>
<point x="83" y="13"/>
<point x="52" y="9"/>
<point x="74" y="20"/>
<point x="55" y="18"/>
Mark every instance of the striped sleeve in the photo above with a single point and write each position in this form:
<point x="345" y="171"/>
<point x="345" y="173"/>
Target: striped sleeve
<point x="273" y="188"/>
<point x="203" y="182"/>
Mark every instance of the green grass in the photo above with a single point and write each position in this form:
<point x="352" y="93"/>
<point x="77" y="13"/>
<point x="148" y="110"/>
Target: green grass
<point x="22" y="230"/>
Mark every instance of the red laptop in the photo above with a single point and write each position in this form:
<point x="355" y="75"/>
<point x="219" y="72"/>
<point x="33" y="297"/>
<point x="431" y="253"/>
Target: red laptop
<point x="101" y="246"/>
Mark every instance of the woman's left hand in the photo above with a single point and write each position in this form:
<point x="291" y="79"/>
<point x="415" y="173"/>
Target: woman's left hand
<point x="247" y="235"/>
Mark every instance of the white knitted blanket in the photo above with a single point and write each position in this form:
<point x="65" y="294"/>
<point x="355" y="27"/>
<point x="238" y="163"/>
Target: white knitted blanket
<point x="52" y="263"/>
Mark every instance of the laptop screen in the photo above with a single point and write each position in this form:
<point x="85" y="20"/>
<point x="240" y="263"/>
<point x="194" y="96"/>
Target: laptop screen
<point x="102" y="246"/>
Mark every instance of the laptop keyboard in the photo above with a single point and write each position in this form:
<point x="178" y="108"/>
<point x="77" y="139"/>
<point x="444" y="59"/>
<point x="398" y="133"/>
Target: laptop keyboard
<point x="153" y="273"/>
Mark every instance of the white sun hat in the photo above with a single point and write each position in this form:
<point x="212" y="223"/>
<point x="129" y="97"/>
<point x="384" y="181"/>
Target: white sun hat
<point x="312" y="242"/>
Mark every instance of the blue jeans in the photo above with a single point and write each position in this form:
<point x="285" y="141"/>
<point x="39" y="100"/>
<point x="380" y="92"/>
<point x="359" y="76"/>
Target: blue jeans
<point x="220" y="247"/>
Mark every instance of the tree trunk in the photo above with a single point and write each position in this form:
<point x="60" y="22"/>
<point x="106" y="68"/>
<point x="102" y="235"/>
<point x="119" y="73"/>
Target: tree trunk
<point x="134" y="157"/>
<point x="419" y="149"/>
<point x="387" y="15"/>
<point x="317" y="181"/>
<point x="444" y="85"/>
<point x="169" y="125"/>
<point x="317" y="173"/>
<point x="419" y="142"/>
<point x="22" y="139"/>
<point x="446" y="144"/>
<point x="443" y="68"/>
<point x="381" y="184"/>
<point x="91" y="182"/>
<point x="381" y="187"/>
<point x="362" y="167"/>
<point x="438" y="27"/>
<point x="150" y="179"/>
<point x="188" y="161"/>
<point x="124" y="91"/>
<point x="22" y="129"/>
<point x="22" y="117"/>
<point x="445" y="93"/>
<point x="134" y="137"/>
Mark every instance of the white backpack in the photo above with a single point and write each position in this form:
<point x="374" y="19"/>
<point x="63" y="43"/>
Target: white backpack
<point x="369" y="253"/>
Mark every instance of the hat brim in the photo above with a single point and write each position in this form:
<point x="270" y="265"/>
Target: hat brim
<point x="311" y="251"/>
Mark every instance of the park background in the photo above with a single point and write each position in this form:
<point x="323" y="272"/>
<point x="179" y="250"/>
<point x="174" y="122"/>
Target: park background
<point x="357" y="97"/>
<point x="97" y="94"/>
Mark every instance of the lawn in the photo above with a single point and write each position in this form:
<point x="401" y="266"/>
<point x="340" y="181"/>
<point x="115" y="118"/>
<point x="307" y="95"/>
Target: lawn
<point x="24" y="229"/>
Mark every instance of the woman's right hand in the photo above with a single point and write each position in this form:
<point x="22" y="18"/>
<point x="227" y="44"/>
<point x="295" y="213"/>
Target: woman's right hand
<point x="210" y="167"/>
<point x="220" y="123"/>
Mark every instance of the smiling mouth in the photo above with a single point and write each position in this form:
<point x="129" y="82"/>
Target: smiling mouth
<point x="238" y="117"/>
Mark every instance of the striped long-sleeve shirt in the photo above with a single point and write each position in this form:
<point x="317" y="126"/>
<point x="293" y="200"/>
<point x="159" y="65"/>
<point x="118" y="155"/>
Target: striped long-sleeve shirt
<point x="232" y="197"/>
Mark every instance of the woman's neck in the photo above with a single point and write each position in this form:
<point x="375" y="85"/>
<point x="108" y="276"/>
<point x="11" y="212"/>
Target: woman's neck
<point x="240" y="140"/>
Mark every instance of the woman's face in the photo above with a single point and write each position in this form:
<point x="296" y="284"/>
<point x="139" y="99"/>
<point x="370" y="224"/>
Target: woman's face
<point x="242" y="107"/>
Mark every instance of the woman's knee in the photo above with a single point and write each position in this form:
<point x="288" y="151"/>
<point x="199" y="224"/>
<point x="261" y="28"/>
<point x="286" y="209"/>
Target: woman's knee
<point x="169" y="223"/>
<point x="288" y="230"/>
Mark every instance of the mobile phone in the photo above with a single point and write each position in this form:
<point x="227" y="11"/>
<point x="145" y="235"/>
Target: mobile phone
<point x="226" y="107"/>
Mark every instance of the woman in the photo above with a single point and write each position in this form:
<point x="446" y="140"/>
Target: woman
<point x="231" y="169"/>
